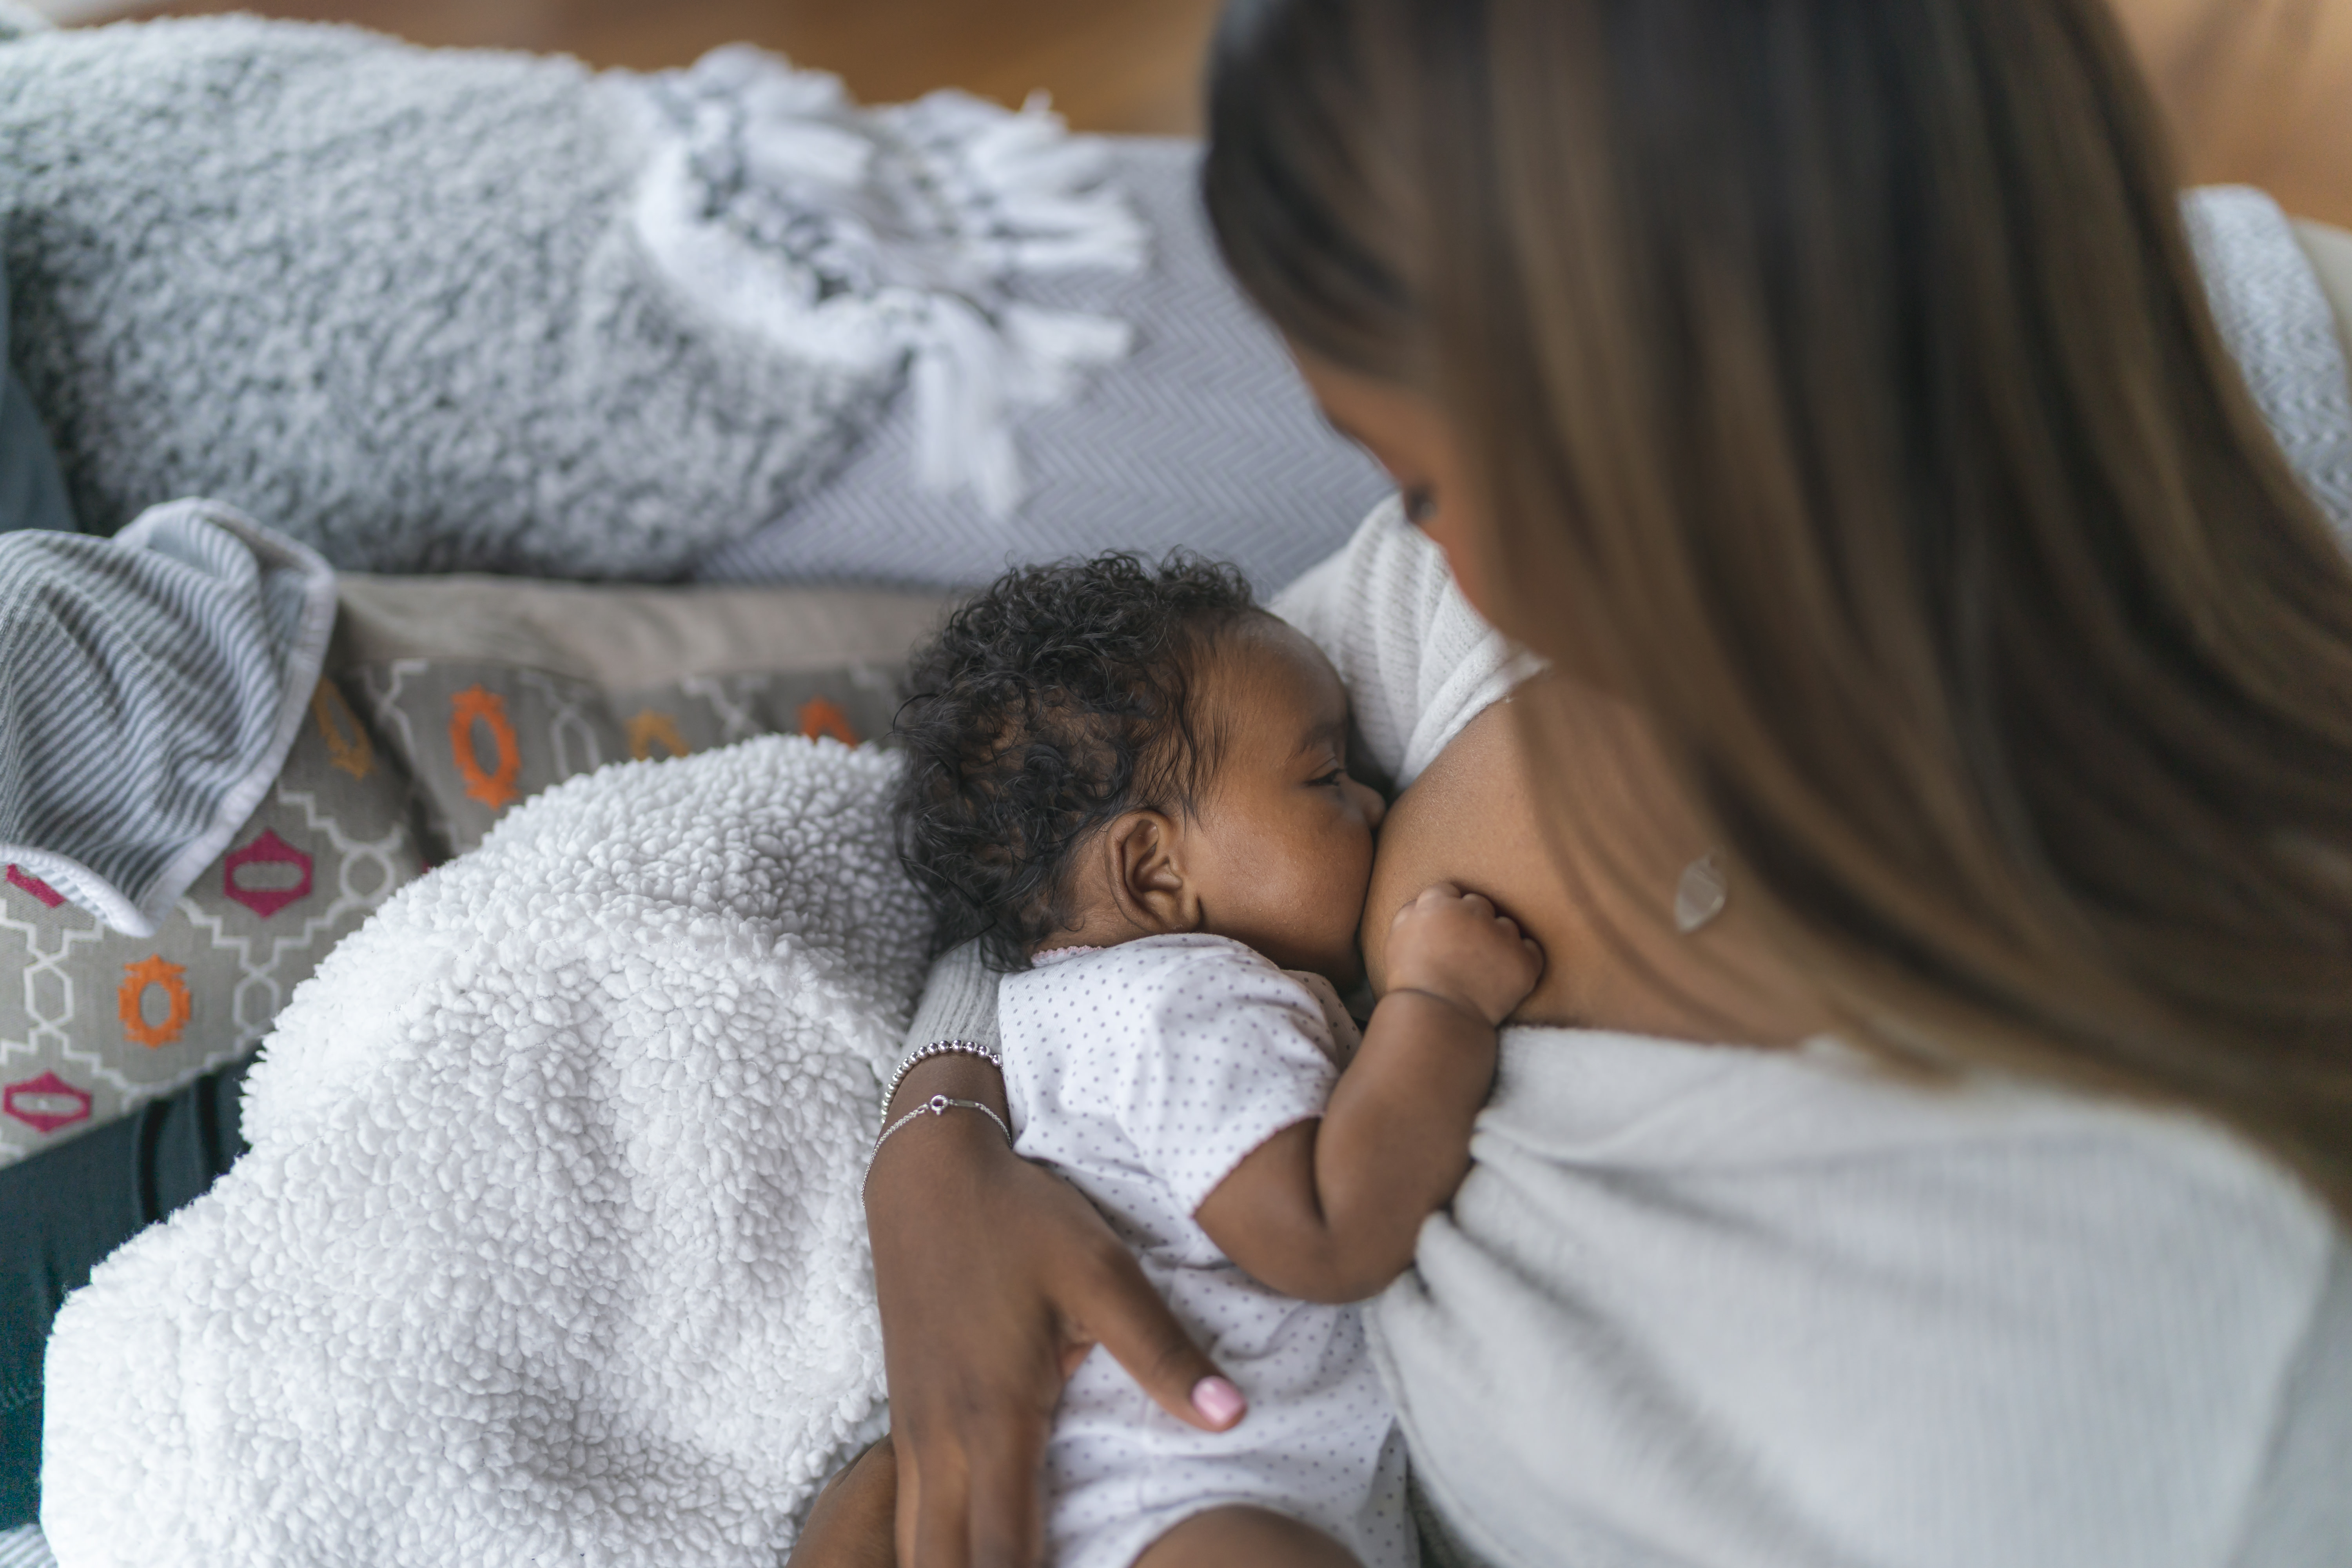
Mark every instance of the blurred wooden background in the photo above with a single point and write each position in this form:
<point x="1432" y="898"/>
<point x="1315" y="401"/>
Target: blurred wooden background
<point x="2258" y="91"/>
<point x="1111" y="65"/>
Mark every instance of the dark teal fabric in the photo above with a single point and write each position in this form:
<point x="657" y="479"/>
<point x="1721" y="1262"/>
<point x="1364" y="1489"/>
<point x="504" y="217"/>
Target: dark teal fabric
<point x="62" y="1211"/>
<point x="32" y="494"/>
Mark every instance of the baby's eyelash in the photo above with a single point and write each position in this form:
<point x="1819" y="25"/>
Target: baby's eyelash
<point x="1334" y="776"/>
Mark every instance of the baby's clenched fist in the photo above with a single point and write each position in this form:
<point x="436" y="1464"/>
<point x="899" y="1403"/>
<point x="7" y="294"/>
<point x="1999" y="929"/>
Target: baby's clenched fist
<point x="1452" y="944"/>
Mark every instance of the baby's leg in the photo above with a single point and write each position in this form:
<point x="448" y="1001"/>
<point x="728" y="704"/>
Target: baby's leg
<point x="1241" y="1536"/>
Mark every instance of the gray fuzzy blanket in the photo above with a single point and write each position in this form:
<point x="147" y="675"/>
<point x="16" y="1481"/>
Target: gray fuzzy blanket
<point x="377" y="298"/>
<point x="408" y="307"/>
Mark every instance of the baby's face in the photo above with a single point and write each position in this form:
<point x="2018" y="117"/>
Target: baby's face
<point x="1283" y="848"/>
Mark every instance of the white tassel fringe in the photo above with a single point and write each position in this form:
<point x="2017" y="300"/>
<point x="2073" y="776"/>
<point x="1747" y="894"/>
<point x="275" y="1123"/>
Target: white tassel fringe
<point x="873" y="239"/>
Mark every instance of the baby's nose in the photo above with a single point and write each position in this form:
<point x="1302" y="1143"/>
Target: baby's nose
<point x="1375" y="808"/>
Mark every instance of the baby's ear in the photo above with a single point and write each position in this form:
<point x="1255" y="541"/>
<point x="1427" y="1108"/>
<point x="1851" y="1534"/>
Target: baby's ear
<point x="1147" y="872"/>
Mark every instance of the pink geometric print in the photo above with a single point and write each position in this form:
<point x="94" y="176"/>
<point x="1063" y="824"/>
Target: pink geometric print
<point x="267" y="851"/>
<point x="46" y="1103"/>
<point x="35" y="886"/>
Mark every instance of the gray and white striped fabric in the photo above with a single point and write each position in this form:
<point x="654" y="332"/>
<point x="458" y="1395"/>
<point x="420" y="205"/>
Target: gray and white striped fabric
<point x="25" y="1548"/>
<point x="2278" y="322"/>
<point x="150" y="686"/>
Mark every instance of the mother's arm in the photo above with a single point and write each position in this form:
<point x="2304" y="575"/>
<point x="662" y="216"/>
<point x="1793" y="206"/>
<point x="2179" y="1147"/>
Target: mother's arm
<point x="995" y="1279"/>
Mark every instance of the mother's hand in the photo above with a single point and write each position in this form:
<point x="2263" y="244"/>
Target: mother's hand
<point x="995" y="1279"/>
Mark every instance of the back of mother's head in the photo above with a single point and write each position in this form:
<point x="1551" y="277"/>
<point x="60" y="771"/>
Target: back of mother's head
<point x="1834" y="383"/>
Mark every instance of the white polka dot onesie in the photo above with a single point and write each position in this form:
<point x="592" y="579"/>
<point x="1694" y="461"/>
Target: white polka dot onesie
<point x="1144" y="1073"/>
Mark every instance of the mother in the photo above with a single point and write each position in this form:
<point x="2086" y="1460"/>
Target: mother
<point x="1824" y="388"/>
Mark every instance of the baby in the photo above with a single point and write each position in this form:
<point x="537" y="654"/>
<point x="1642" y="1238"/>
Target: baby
<point x="1133" y="784"/>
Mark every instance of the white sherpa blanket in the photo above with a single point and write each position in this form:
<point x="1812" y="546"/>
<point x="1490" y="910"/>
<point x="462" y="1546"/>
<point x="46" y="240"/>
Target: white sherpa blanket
<point x="549" y="1248"/>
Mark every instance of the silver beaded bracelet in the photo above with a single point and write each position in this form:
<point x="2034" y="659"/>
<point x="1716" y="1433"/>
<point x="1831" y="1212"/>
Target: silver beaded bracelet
<point x="936" y="1048"/>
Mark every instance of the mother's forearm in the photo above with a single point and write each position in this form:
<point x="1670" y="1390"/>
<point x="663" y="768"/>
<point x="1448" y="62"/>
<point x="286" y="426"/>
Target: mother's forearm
<point x="994" y="1278"/>
<point x="956" y="1075"/>
<point x="916" y="1152"/>
<point x="949" y="1045"/>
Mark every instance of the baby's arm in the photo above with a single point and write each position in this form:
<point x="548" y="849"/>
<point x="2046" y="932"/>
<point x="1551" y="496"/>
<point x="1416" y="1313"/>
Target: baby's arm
<point x="1329" y="1210"/>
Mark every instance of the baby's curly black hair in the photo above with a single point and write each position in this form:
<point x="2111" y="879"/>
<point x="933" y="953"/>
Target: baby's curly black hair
<point x="1054" y="701"/>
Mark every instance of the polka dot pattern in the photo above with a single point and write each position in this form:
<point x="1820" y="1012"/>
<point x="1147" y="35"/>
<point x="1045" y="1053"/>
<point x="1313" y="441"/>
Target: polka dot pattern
<point x="1145" y="1073"/>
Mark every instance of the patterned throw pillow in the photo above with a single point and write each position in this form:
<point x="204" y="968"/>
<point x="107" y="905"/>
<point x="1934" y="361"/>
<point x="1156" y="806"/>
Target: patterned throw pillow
<point x="99" y="1023"/>
<point x="480" y="737"/>
<point x="489" y="690"/>
<point x="449" y="699"/>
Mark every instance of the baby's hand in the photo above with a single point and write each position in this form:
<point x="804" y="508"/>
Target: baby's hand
<point x="1453" y="945"/>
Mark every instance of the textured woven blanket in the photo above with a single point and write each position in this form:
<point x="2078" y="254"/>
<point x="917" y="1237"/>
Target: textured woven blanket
<point x="150" y="687"/>
<point x="548" y="1247"/>
<point x="431" y="310"/>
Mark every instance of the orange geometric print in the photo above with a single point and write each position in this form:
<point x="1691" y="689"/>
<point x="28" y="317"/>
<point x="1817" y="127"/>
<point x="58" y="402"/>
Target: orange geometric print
<point x="654" y="727"/>
<point x="136" y="978"/>
<point x="348" y="746"/>
<point x="495" y="787"/>
<point x="823" y="716"/>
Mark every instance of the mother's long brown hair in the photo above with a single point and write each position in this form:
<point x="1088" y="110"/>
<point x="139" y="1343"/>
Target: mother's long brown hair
<point x="1841" y="390"/>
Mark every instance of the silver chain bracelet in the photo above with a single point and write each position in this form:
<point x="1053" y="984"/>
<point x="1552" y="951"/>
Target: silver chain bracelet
<point x="938" y="1105"/>
<point x="936" y="1048"/>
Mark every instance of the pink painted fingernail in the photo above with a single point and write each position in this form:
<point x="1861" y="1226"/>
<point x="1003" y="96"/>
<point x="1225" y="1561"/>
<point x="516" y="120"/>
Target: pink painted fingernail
<point x="1218" y="1400"/>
